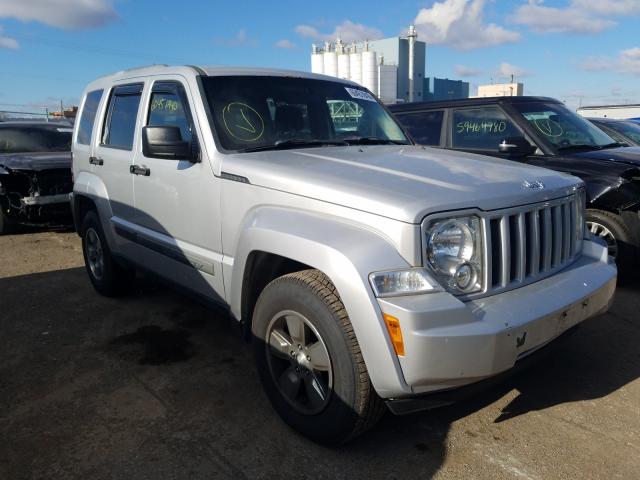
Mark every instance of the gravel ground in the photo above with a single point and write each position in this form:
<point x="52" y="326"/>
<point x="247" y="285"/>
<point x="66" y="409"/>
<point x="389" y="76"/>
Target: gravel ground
<point x="156" y="386"/>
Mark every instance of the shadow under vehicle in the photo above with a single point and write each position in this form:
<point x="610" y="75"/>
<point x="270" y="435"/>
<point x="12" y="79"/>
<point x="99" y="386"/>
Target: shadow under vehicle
<point x="35" y="174"/>
<point x="542" y="131"/>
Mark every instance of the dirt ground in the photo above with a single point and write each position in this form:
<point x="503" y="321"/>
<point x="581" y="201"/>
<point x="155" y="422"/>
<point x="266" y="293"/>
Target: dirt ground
<point x="155" y="386"/>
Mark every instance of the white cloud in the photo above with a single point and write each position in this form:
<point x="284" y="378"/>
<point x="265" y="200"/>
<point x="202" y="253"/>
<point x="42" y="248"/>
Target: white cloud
<point x="348" y="31"/>
<point x="465" y="71"/>
<point x="240" y="39"/>
<point x="627" y="62"/>
<point x="579" y="16"/>
<point x="8" y="42"/>
<point x="506" y="70"/>
<point x="67" y="14"/>
<point x="460" y="24"/>
<point x="284" y="43"/>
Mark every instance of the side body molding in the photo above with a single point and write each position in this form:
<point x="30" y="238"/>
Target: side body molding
<point x="347" y="253"/>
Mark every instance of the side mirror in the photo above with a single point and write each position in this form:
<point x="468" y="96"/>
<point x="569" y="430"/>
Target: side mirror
<point x="165" y="142"/>
<point x="516" y="147"/>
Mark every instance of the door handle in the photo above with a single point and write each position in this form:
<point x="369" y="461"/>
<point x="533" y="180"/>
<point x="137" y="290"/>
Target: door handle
<point x="140" y="170"/>
<point x="96" y="161"/>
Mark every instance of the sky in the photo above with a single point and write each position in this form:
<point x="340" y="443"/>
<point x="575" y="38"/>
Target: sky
<point x="584" y="52"/>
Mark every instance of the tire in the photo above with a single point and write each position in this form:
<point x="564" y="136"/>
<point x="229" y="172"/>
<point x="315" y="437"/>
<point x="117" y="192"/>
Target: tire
<point x="620" y="240"/>
<point x="107" y="276"/>
<point x="350" y="405"/>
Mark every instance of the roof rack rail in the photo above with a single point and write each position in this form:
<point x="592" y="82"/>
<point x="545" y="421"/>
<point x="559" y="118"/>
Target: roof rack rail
<point x="133" y="69"/>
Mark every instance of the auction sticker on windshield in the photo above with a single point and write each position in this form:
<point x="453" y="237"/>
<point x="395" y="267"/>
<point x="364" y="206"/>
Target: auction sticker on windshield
<point x="360" y="94"/>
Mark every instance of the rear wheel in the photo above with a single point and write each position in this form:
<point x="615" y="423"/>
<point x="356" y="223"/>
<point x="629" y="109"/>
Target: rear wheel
<point x="309" y="360"/>
<point x="107" y="276"/>
<point x="612" y="229"/>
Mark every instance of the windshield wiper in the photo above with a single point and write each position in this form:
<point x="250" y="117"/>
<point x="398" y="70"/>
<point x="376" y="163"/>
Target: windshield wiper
<point x="613" y="145"/>
<point x="570" y="148"/>
<point x="295" y="143"/>
<point x="373" y="141"/>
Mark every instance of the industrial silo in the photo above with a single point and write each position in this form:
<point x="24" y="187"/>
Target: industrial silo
<point x="317" y="60"/>
<point x="369" y="70"/>
<point x="355" y="65"/>
<point x="330" y="61"/>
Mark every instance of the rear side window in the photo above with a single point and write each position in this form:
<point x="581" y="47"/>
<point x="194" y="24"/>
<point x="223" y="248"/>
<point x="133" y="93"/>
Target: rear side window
<point x="87" y="119"/>
<point x="481" y="128"/>
<point x="121" y="117"/>
<point x="425" y="127"/>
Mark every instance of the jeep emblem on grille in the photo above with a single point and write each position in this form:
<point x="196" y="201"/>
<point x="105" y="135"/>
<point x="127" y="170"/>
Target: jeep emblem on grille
<point x="535" y="185"/>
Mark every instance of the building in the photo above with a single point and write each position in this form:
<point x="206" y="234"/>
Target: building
<point x="445" y="89"/>
<point x="620" y="112"/>
<point x="501" y="90"/>
<point x="392" y="68"/>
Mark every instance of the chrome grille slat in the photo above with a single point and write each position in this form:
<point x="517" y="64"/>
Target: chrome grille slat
<point x="505" y="252"/>
<point x="548" y="245"/>
<point x="521" y="248"/>
<point x="535" y="242"/>
<point x="531" y="242"/>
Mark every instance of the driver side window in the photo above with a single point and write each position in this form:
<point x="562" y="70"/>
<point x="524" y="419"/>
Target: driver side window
<point x="168" y="107"/>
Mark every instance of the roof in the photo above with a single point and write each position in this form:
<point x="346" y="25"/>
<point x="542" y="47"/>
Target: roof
<point x="597" y="107"/>
<point x="464" y="102"/>
<point x="35" y="123"/>
<point x="187" y="70"/>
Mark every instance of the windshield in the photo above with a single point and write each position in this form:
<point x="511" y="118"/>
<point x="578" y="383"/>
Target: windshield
<point x="628" y="129"/>
<point x="562" y="128"/>
<point x="30" y="138"/>
<point x="257" y="113"/>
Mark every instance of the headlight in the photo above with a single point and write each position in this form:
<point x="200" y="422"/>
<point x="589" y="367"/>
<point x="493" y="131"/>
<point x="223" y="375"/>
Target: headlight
<point x="402" y="282"/>
<point x="454" y="253"/>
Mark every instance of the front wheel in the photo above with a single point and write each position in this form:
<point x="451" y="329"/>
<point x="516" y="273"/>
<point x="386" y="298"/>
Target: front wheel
<point x="612" y="229"/>
<point x="309" y="360"/>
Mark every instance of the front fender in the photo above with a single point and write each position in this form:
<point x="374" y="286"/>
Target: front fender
<point x="347" y="254"/>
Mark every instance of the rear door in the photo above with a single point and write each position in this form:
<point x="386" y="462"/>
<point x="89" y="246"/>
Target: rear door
<point x="114" y="152"/>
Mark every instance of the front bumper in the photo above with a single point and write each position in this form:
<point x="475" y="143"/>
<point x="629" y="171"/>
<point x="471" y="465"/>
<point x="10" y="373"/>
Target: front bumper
<point x="450" y="344"/>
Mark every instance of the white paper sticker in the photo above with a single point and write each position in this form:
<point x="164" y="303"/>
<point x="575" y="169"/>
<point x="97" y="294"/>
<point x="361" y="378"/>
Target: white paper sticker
<point x="360" y="94"/>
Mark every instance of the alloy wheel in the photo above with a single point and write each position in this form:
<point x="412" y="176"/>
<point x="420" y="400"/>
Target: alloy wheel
<point x="299" y="362"/>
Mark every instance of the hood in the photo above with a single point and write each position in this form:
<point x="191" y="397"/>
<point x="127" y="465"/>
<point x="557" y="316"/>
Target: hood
<point x="400" y="182"/>
<point x="628" y="155"/>
<point x="36" y="161"/>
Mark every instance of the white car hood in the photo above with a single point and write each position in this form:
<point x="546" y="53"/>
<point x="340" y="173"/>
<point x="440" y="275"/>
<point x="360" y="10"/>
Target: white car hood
<point x="405" y="183"/>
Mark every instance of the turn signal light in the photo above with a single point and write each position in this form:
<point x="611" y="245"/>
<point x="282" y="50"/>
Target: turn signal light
<point x="393" y="326"/>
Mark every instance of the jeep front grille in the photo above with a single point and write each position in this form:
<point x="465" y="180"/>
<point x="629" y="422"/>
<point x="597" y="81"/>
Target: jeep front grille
<point x="526" y="244"/>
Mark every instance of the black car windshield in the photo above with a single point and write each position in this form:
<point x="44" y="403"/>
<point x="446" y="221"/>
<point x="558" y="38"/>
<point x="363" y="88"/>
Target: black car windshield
<point x="252" y="113"/>
<point x="562" y="128"/>
<point x="33" y="138"/>
<point x="626" y="128"/>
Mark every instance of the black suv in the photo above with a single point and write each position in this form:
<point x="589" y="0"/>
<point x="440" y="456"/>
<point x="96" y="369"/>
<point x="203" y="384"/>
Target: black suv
<point x="542" y="131"/>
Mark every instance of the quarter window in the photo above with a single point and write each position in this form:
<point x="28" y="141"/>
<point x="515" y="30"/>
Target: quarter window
<point x="481" y="128"/>
<point x="425" y="127"/>
<point x="121" y="117"/>
<point x="87" y="119"/>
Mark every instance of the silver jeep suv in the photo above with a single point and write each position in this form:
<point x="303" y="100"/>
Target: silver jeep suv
<point x="369" y="272"/>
